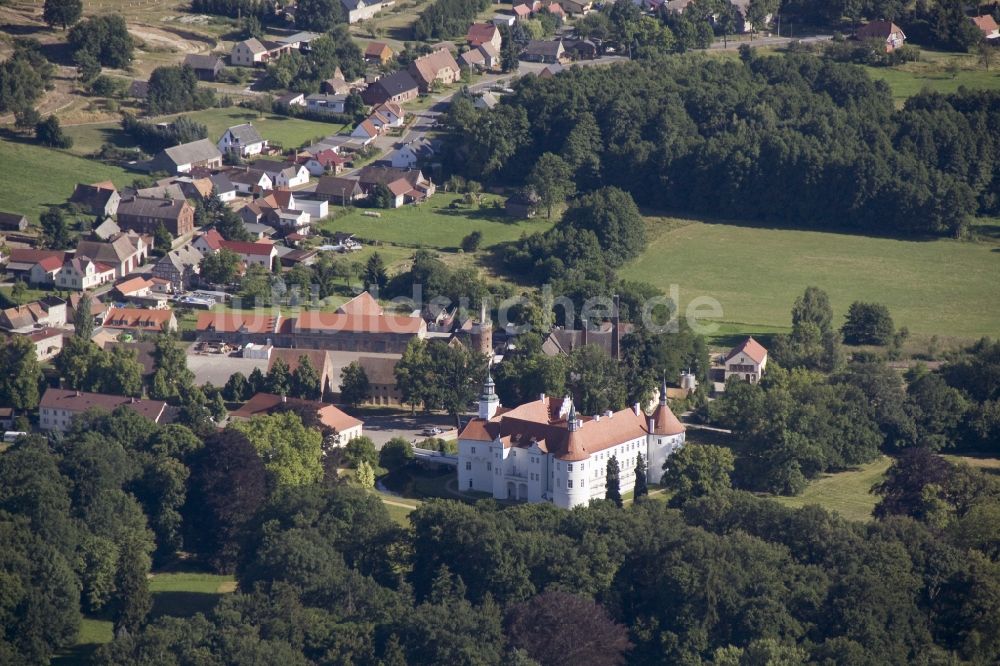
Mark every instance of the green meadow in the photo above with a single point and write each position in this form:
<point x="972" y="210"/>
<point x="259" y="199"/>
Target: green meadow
<point x="941" y="286"/>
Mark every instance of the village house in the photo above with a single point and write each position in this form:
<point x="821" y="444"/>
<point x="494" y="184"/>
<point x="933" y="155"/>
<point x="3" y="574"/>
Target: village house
<point x="522" y="12"/>
<point x="49" y="312"/>
<point x="261" y="254"/>
<point x="141" y="320"/>
<point x="544" y="451"/>
<point x="187" y="156"/>
<point x="504" y="20"/>
<point x="105" y="231"/>
<point x="388" y="114"/>
<point x="484" y="33"/>
<point x="145" y="216"/>
<point x="481" y="58"/>
<point x="886" y="32"/>
<point x="137" y="287"/>
<point x="335" y="85"/>
<point x="546" y="51"/>
<point x="253" y="52"/>
<point x="362" y="10"/>
<point x="987" y="26"/>
<point x="206" y="67"/>
<point x="292" y="99"/>
<point x="324" y="162"/>
<point x="179" y="268"/>
<point x="34" y="266"/>
<point x="243" y="140"/>
<point x="58" y="407"/>
<point x="125" y="252"/>
<point x="98" y="199"/>
<point x="222" y="187"/>
<point x="406" y="185"/>
<point x="556" y="10"/>
<point x="378" y="53"/>
<point x="326" y="104"/>
<point x="522" y="205"/>
<point x="576" y="7"/>
<point x="238" y="327"/>
<point x="258" y="210"/>
<point x="82" y="273"/>
<point x="398" y="87"/>
<point x="439" y="66"/>
<point x="746" y="361"/>
<point x="345" y="426"/>
<point x="250" y="181"/>
<point x="412" y="153"/>
<point x="48" y="342"/>
<point x="366" y="129"/>
<point x="336" y="190"/>
<point x="283" y="174"/>
<point x="314" y="208"/>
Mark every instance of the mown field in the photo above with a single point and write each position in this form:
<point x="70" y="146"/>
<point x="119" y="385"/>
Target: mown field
<point x="847" y="493"/>
<point x="943" y="286"/>
<point x="37" y="177"/>
<point x="180" y="594"/>
<point x="289" y="132"/>
<point x="434" y="225"/>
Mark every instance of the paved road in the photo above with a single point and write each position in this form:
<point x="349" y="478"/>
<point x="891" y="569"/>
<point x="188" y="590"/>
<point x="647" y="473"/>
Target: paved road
<point x="769" y="40"/>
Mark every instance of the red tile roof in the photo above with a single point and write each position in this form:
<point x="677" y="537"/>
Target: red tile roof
<point x="133" y="285"/>
<point x="213" y="239"/>
<point x="480" y="33"/>
<point x="236" y="322"/>
<point x="751" y="348"/>
<point x="246" y="249"/>
<point x="137" y="318"/>
<point x="334" y="322"/>
<point x="265" y="403"/>
<point x="987" y="24"/>
<point x="362" y="304"/>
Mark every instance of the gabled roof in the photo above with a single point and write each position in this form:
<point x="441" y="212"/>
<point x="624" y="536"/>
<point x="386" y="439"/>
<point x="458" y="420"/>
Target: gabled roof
<point x="115" y="251"/>
<point x="878" y="29"/>
<point x="395" y="83"/>
<point x="337" y="186"/>
<point x="201" y="150"/>
<point x="247" y="249"/>
<point x="255" y="45"/>
<point x="480" y="33"/>
<point x="81" y="401"/>
<point x="245" y="134"/>
<point x="212" y="238"/>
<point x="133" y="285"/>
<point x="164" y="209"/>
<point x="986" y="23"/>
<point x="247" y="177"/>
<point x="195" y="61"/>
<point x="237" y="322"/>
<point x="376" y="49"/>
<point x="751" y="348"/>
<point x="95" y="196"/>
<point x="359" y="323"/>
<point x="429" y="66"/>
<point x="182" y="258"/>
<point x="265" y="403"/>
<point x="137" y="318"/>
<point x="547" y="48"/>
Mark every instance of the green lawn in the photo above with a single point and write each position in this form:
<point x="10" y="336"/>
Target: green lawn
<point x="932" y="72"/>
<point x="433" y="225"/>
<point x="933" y="287"/>
<point x="847" y="493"/>
<point x="289" y="132"/>
<point x="39" y="177"/>
<point x="180" y="594"/>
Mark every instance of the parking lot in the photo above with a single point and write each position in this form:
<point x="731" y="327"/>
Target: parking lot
<point x="383" y="427"/>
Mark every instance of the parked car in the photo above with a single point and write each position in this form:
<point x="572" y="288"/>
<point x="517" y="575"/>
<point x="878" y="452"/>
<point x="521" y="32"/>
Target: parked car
<point x="431" y="431"/>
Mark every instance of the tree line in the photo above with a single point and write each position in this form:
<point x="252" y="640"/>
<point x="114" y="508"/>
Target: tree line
<point x="793" y="140"/>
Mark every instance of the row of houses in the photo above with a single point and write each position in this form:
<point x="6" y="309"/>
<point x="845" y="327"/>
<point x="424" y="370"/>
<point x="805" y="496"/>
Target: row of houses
<point x="405" y="185"/>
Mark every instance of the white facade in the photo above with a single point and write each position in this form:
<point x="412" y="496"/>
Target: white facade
<point x="543" y="452"/>
<point x="231" y="142"/>
<point x="316" y="209"/>
<point x="82" y="274"/>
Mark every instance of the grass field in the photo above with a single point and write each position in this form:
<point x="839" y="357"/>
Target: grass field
<point x="847" y="493"/>
<point x="933" y="287"/>
<point x="939" y="72"/>
<point x="289" y="132"/>
<point x="180" y="594"/>
<point x="39" y="177"/>
<point x="434" y="225"/>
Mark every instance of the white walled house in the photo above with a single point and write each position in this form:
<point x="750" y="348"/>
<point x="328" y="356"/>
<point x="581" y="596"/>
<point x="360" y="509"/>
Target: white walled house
<point x="283" y="174"/>
<point x="243" y="140"/>
<point x="543" y="451"/>
<point x="746" y="361"/>
<point x="81" y="273"/>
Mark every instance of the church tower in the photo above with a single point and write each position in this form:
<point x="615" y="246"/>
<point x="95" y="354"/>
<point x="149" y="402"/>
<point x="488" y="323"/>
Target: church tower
<point x="488" y="400"/>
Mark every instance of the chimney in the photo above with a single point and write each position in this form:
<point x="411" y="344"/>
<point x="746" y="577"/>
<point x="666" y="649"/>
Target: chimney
<point x="284" y="398"/>
<point x="541" y="396"/>
<point x="597" y="417"/>
<point x="616" y="337"/>
<point x="583" y="335"/>
<point x="636" y="409"/>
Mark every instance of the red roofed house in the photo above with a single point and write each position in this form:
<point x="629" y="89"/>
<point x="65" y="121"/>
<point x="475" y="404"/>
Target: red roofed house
<point x="887" y="31"/>
<point x="544" y="451"/>
<point x="522" y="12"/>
<point x="378" y="53"/>
<point x="746" y="361"/>
<point x="141" y="320"/>
<point x="366" y="129"/>
<point x="346" y="426"/>
<point x="208" y="242"/>
<point x="238" y="327"/>
<point x="484" y="33"/>
<point x="58" y="407"/>
<point x="48" y="342"/>
<point x="325" y="162"/>
<point x="82" y="273"/>
<point x="262" y="254"/>
<point x="987" y="25"/>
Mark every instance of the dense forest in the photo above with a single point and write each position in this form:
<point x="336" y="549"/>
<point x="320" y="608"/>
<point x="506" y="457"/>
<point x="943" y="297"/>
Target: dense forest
<point x="795" y="140"/>
<point x="326" y="577"/>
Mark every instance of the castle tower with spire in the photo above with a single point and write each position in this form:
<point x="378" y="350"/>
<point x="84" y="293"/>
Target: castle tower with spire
<point x="482" y="333"/>
<point x="666" y="435"/>
<point x="489" y="402"/>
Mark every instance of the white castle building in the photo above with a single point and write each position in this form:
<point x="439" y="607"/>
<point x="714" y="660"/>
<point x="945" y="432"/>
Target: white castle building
<point x="543" y="451"/>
